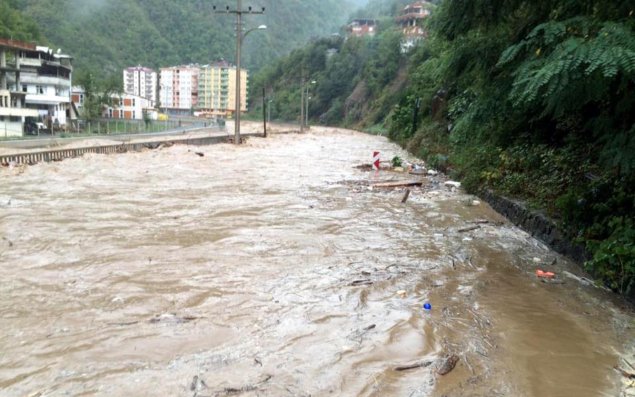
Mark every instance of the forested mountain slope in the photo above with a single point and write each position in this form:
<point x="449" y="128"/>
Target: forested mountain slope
<point x="15" y="25"/>
<point x="534" y="99"/>
<point x="108" y="35"/>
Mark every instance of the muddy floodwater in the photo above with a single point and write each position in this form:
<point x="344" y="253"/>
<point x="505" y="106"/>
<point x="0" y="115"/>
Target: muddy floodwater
<point x="276" y="269"/>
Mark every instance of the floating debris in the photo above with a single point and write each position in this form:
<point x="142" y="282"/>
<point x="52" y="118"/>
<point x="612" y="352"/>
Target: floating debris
<point x="448" y="365"/>
<point x="405" y="196"/>
<point x="398" y="184"/>
<point x="360" y="282"/>
<point x="420" y="364"/>
<point x="469" y="229"/>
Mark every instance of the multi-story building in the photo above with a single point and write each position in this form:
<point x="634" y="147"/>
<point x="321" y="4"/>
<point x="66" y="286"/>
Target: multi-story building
<point x="217" y="90"/>
<point x="142" y="82"/>
<point x="411" y="21"/>
<point x="128" y="107"/>
<point x="122" y="105"/>
<point x="178" y="89"/>
<point x="362" y="27"/>
<point x="36" y="80"/>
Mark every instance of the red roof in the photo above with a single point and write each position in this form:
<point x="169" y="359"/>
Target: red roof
<point x="16" y="44"/>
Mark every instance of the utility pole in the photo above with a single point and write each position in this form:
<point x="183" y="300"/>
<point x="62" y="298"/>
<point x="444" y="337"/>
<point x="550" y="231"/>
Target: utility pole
<point x="264" y="111"/>
<point x="415" y="113"/>
<point x="302" y="105"/>
<point x="239" y="41"/>
<point x="306" y="111"/>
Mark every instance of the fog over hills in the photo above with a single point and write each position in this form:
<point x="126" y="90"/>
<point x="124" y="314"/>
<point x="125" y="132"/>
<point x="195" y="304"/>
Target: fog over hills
<point x="110" y="34"/>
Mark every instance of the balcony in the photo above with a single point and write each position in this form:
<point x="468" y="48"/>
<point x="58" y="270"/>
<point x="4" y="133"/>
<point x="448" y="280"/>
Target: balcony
<point x="45" y="81"/>
<point x="30" y="62"/>
<point x="36" y="99"/>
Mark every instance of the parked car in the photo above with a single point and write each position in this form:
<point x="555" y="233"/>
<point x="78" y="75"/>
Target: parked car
<point x="32" y="127"/>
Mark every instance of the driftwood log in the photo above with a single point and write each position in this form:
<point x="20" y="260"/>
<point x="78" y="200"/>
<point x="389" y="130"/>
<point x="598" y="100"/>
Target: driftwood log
<point x="420" y="364"/>
<point x="405" y="196"/>
<point x="397" y="184"/>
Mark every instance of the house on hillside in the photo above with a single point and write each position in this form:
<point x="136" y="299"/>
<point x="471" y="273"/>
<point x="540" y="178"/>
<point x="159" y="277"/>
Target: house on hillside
<point x="35" y="87"/>
<point x="411" y="21"/>
<point x="362" y="27"/>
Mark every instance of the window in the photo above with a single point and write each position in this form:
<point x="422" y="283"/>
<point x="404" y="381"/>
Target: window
<point x="110" y="113"/>
<point x="133" y="103"/>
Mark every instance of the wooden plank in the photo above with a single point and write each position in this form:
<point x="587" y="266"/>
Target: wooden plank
<point x="398" y="184"/>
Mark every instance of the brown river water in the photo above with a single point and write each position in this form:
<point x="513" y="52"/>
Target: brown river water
<point x="273" y="269"/>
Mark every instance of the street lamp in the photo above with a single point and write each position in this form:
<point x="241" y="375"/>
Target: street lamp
<point x="269" y="102"/>
<point x="304" y="103"/>
<point x="306" y="113"/>
<point x="240" y="36"/>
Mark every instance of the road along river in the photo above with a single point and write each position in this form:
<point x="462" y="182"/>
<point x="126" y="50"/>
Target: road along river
<point x="275" y="269"/>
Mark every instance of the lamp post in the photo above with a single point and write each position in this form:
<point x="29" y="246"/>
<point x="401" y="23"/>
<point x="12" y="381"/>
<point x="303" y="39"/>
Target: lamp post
<point x="306" y="113"/>
<point x="304" y="106"/>
<point x="240" y="36"/>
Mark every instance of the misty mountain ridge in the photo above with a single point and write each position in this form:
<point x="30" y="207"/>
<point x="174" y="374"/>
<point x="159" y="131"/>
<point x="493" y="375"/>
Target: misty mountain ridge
<point x="108" y="35"/>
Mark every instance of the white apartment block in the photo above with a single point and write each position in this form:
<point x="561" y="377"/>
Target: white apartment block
<point x="142" y="82"/>
<point x="178" y="89"/>
<point x="35" y="86"/>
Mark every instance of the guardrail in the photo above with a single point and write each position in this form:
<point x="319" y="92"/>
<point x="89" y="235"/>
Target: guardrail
<point x="61" y="154"/>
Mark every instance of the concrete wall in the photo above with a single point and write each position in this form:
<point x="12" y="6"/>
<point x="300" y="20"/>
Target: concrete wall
<point x="537" y="224"/>
<point x="10" y="128"/>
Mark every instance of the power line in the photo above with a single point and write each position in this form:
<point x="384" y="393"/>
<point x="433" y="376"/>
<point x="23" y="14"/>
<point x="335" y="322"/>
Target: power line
<point x="239" y="11"/>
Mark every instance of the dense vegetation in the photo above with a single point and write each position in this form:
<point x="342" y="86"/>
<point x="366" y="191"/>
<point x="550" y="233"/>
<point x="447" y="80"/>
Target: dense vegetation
<point x="108" y="35"/>
<point x="531" y="98"/>
<point x="14" y="25"/>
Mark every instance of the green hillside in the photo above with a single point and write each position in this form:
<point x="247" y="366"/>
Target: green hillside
<point x="533" y="99"/>
<point x="109" y="35"/>
<point x="15" y="25"/>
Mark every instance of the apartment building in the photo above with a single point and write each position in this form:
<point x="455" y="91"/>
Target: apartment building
<point x="141" y="81"/>
<point x="35" y="86"/>
<point x="217" y="90"/>
<point x="178" y="89"/>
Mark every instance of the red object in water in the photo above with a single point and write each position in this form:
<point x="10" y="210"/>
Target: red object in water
<point x="376" y="160"/>
<point x="544" y="274"/>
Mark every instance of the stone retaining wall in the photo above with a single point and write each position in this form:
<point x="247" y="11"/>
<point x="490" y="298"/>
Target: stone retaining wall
<point x="537" y="224"/>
